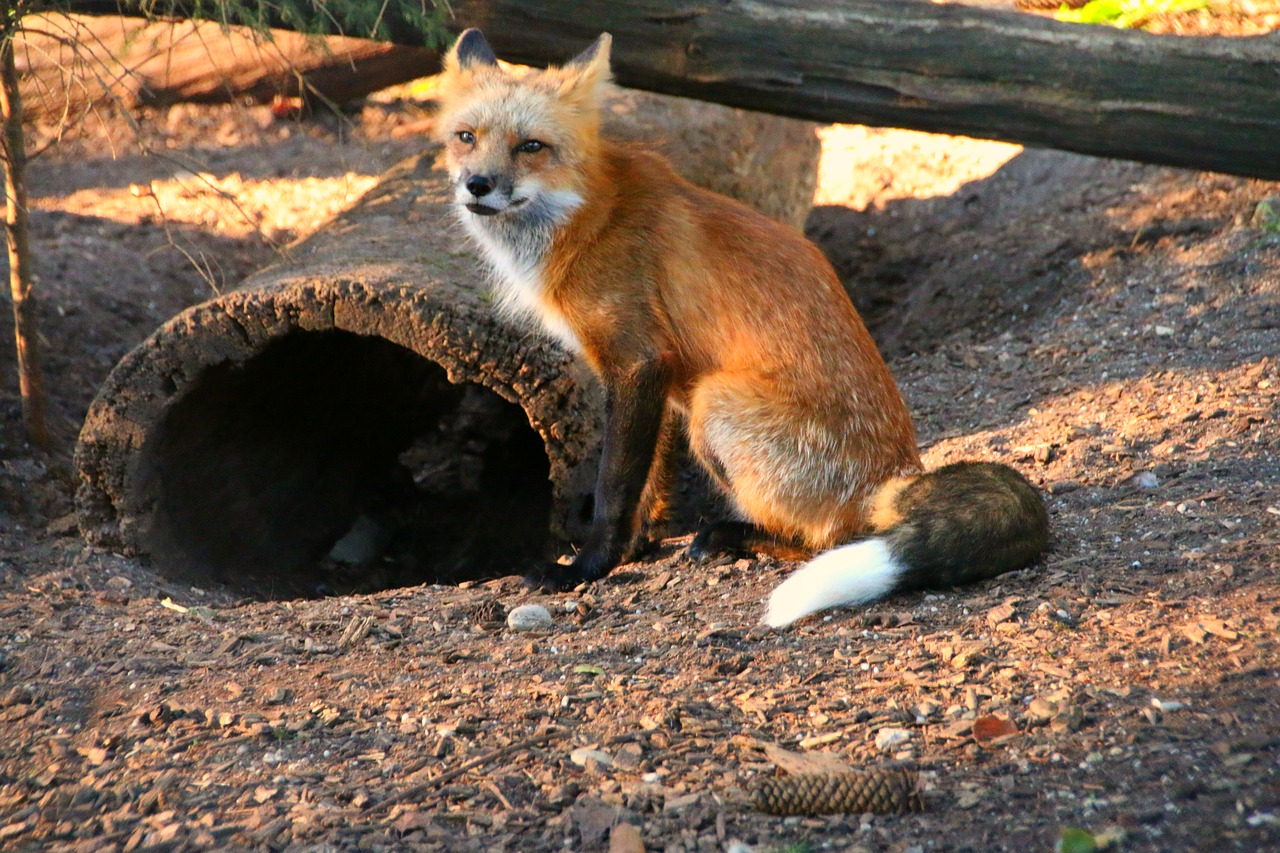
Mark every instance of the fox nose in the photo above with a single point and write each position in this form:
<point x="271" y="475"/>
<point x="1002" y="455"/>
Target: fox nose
<point x="479" y="185"/>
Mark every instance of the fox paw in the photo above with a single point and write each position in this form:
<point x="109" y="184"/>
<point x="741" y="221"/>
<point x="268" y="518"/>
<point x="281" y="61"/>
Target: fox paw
<point x="551" y="577"/>
<point x="721" y="537"/>
<point x="554" y="577"/>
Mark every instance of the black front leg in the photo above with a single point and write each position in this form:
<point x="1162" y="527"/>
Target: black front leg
<point x="634" y="404"/>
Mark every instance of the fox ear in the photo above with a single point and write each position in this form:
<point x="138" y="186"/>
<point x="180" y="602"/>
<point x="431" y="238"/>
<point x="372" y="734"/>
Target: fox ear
<point x="470" y="49"/>
<point x="597" y="54"/>
<point x="588" y="74"/>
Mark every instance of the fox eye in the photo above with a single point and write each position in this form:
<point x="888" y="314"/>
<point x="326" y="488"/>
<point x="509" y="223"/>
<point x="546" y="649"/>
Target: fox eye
<point x="530" y="146"/>
<point x="466" y="137"/>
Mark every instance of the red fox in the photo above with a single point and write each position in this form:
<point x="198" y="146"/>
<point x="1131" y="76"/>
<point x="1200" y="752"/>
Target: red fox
<point x="698" y="313"/>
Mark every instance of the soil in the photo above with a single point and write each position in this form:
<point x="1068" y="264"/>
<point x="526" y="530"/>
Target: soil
<point x="1112" y="330"/>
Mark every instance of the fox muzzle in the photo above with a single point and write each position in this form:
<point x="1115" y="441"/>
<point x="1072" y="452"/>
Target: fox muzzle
<point x="479" y="185"/>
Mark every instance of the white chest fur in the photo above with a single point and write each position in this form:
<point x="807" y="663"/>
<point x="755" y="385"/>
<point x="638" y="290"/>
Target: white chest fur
<point x="518" y="282"/>
<point x="516" y="248"/>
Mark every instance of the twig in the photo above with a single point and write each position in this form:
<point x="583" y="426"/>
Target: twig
<point x="450" y="775"/>
<point x="357" y="629"/>
<point x="21" y="281"/>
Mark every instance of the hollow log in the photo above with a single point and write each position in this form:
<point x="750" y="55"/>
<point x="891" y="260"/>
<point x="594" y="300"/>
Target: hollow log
<point x="1205" y="103"/>
<point x="248" y="434"/>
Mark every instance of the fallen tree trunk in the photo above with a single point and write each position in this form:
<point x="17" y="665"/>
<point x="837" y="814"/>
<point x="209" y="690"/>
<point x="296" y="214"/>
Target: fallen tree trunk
<point x="69" y="62"/>
<point x="1206" y="103"/>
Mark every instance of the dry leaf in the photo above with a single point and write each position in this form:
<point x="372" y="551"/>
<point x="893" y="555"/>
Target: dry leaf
<point x="1194" y="633"/>
<point x="1003" y="612"/>
<point x="991" y="729"/>
<point x="1218" y="628"/>
<point x="805" y="762"/>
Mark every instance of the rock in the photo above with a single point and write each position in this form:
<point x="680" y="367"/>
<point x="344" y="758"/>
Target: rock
<point x="1165" y="707"/>
<point x="529" y="617"/>
<point x="586" y="757"/>
<point x="563" y="795"/>
<point x="367" y="539"/>
<point x="626" y="838"/>
<point x="889" y="739"/>
<point x="593" y="818"/>
<point x="629" y="756"/>
<point x="19" y="694"/>
<point x="1143" y="480"/>
<point x="1041" y="711"/>
<point x="680" y="803"/>
<point x="1068" y="720"/>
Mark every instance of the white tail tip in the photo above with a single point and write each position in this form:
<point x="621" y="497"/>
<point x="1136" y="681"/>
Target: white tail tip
<point x="852" y="574"/>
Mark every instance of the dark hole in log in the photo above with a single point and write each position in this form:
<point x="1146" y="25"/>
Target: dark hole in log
<point x="332" y="462"/>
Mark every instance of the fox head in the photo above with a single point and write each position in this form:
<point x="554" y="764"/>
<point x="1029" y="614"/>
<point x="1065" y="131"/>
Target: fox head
<point x="520" y="147"/>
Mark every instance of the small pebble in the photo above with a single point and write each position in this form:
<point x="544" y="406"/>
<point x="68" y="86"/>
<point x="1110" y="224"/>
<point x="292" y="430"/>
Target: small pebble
<point x="529" y="617"/>
<point x="584" y="756"/>
<point x="1041" y="710"/>
<point x="888" y="739"/>
<point x="1165" y="707"/>
<point x="1144" y="480"/>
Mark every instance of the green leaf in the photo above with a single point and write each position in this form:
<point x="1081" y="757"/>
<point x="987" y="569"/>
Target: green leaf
<point x="1073" y="840"/>
<point x="1267" y="215"/>
<point x="1126" y="13"/>
<point x="588" y="669"/>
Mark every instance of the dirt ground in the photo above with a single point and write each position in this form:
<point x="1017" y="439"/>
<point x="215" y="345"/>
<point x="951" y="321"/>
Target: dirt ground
<point x="1112" y="330"/>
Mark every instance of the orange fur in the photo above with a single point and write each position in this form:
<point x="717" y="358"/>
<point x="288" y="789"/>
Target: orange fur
<point x="785" y="398"/>
<point x="883" y="505"/>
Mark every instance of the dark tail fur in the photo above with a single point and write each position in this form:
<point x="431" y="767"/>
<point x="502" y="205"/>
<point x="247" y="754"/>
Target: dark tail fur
<point x="961" y="523"/>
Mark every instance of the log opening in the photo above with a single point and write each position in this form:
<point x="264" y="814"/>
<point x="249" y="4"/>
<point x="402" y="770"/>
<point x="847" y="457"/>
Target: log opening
<point x="333" y="462"/>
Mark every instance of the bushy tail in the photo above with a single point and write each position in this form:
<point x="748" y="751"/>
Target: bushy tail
<point x="958" y="524"/>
